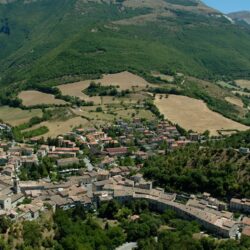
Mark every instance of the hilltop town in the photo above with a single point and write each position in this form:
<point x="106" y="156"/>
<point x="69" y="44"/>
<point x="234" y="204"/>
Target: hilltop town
<point x="87" y="167"/>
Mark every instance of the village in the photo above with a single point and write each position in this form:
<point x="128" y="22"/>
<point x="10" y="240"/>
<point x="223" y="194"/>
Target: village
<point x="88" y="166"/>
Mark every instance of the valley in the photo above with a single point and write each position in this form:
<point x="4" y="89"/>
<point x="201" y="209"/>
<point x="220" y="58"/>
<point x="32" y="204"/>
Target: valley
<point x="125" y="95"/>
<point x="124" y="123"/>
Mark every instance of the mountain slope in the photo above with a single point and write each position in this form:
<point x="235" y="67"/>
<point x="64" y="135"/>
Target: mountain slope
<point x="43" y="40"/>
<point x="241" y="16"/>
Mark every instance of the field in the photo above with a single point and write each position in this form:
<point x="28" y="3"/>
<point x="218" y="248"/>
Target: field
<point x="125" y="80"/>
<point x="110" y="113"/>
<point x="164" y="77"/>
<point x="33" y="98"/>
<point x="241" y="93"/>
<point x="226" y="85"/>
<point x="193" y="114"/>
<point x="243" y="84"/>
<point x="16" y="116"/>
<point x="60" y="127"/>
<point x="104" y="111"/>
<point x="235" y="101"/>
<point x="64" y="120"/>
<point x="75" y="89"/>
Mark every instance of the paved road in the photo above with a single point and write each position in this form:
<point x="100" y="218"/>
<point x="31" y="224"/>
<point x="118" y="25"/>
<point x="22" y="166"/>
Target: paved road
<point x="127" y="246"/>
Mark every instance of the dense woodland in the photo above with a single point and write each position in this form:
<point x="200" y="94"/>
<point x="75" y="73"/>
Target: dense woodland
<point x="97" y="89"/>
<point x="215" y="167"/>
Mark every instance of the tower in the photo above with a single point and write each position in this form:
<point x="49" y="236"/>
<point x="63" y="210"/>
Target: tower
<point x="16" y="185"/>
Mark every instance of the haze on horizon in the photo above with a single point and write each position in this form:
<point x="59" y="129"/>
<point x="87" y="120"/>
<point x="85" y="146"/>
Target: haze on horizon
<point x="228" y="6"/>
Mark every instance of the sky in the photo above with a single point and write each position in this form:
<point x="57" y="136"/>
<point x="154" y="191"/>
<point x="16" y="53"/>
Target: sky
<point x="227" y="6"/>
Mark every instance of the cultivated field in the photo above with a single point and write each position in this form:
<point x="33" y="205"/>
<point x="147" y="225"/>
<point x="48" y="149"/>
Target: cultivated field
<point x="125" y="80"/>
<point x="112" y="113"/>
<point x="16" y="116"/>
<point x="243" y="84"/>
<point x="226" y="85"/>
<point x="33" y="97"/>
<point x="235" y="101"/>
<point x="194" y="114"/>
<point x="75" y="89"/>
<point x="60" y="127"/>
<point x="241" y="93"/>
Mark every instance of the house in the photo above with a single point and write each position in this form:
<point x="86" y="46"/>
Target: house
<point x="246" y="231"/>
<point x="5" y="202"/>
<point x="106" y="162"/>
<point x="115" y="171"/>
<point x="243" y="150"/>
<point x="58" y="154"/>
<point x="27" y="151"/>
<point x="3" y="160"/>
<point x="67" y="162"/>
<point x="75" y="149"/>
<point x="194" y="137"/>
<point x="41" y="153"/>
<point x="102" y="175"/>
<point x="117" y="151"/>
<point x="30" y="211"/>
<point x="246" y="221"/>
<point x="144" y="184"/>
<point x="9" y="170"/>
<point x="16" y="199"/>
<point x="29" y="161"/>
<point x="240" y="205"/>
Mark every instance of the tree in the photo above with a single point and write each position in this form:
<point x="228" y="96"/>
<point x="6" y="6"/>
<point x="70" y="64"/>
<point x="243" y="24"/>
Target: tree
<point x="147" y="244"/>
<point x="4" y="245"/>
<point x="32" y="234"/>
<point x="116" y="235"/>
<point x="4" y="224"/>
<point x="123" y="213"/>
<point x="99" y="109"/>
<point x="109" y="210"/>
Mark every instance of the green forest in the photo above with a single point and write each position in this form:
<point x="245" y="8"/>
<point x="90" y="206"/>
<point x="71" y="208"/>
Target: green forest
<point x="215" y="167"/>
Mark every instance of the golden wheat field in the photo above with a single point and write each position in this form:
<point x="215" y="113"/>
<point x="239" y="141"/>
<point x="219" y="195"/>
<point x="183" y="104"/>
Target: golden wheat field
<point x="235" y="101"/>
<point x="193" y="114"/>
<point x="124" y="80"/>
<point x="33" y="97"/>
<point x="16" y="116"/>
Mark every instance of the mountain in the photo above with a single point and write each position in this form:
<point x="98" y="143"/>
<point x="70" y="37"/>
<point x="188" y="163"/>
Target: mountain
<point x="241" y="16"/>
<point x="44" y="40"/>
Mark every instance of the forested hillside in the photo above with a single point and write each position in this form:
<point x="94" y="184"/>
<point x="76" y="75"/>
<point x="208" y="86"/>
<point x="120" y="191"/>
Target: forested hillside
<point x="44" y="40"/>
<point x="216" y="168"/>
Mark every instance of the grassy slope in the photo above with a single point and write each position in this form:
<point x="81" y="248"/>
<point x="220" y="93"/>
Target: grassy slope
<point x="55" y="39"/>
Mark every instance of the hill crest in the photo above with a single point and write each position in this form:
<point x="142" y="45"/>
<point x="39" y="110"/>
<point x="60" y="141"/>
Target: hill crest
<point x="241" y="16"/>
